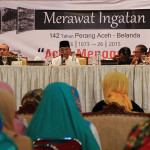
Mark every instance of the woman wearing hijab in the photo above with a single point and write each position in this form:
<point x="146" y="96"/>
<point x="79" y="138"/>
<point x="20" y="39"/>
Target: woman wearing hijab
<point x="116" y="89"/>
<point x="139" y="137"/>
<point x="57" y="117"/>
<point x="19" y="127"/>
<point x="92" y="127"/>
<point x="7" y="107"/>
<point x="6" y="143"/>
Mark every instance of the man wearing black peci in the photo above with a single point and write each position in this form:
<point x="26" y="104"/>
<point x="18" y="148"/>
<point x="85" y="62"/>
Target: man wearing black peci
<point x="65" y="51"/>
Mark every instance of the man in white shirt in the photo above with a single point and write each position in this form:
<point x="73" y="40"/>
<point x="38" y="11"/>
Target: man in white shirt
<point x="64" y="49"/>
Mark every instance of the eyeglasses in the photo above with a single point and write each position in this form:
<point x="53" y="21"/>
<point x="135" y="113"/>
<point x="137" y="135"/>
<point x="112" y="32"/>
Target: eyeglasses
<point x="2" y="49"/>
<point x="136" y="52"/>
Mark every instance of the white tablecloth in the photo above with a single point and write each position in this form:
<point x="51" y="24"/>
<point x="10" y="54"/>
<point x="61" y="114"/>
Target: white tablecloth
<point x="87" y="80"/>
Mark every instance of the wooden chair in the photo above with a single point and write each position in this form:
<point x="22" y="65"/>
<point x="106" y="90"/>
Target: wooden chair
<point x="82" y="60"/>
<point x="15" y="55"/>
<point x="113" y="124"/>
<point x="115" y="108"/>
<point x="61" y="143"/>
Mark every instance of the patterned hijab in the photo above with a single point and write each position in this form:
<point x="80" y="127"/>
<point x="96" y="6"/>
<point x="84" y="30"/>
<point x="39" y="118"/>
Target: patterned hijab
<point x="139" y="137"/>
<point x="57" y="117"/>
<point x="116" y="89"/>
<point x="8" y="108"/>
<point x="77" y="99"/>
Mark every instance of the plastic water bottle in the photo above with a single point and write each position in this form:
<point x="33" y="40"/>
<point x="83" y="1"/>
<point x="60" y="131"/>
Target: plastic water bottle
<point x="73" y="56"/>
<point x="98" y="58"/>
<point x="19" y="57"/>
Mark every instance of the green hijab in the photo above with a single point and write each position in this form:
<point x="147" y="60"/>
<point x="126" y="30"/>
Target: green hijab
<point x="57" y="116"/>
<point x="6" y="143"/>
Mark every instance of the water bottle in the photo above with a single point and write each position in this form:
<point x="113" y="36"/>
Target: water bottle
<point x="73" y="56"/>
<point x="98" y="58"/>
<point x="19" y="57"/>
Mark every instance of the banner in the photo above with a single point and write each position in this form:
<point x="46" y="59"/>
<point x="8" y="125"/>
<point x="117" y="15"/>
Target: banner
<point x="36" y="28"/>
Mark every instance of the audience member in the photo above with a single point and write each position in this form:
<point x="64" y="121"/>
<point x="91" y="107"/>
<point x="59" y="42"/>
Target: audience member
<point x="19" y="127"/>
<point x="124" y="56"/>
<point x="139" y="137"/>
<point x="116" y="89"/>
<point x="64" y="47"/>
<point x="139" y="51"/>
<point x="29" y="104"/>
<point x="57" y="117"/>
<point x="7" y="107"/>
<point x="33" y="95"/>
<point x="91" y="125"/>
<point x="30" y="101"/>
<point x="4" y="51"/>
<point x="6" y="143"/>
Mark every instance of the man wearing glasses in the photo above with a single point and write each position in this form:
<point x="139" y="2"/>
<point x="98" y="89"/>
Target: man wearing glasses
<point x="139" y="51"/>
<point x="4" y="52"/>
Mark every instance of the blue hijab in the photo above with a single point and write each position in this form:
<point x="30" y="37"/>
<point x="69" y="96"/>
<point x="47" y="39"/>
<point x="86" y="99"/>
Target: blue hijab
<point x="57" y="116"/>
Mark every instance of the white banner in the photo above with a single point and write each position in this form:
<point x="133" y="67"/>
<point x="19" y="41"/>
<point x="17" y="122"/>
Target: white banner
<point x="36" y="28"/>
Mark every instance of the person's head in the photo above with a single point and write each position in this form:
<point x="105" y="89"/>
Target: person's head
<point x="4" y="50"/>
<point x="30" y="101"/>
<point x="33" y="96"/>
<point x="59" y="117"/>
<point x="140" y="50"/>
<point x="65" y="47"/>
<point x="7" y="107"/>
<point x="123" y="53"/>
<point x="116" y="89"/>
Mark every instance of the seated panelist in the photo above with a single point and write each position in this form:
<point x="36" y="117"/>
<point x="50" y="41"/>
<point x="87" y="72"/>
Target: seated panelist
<point x="65" y="58"/>
<point x="4" y="51"/>
<point x="138" y="52"/>
<point x="124" y="56"/>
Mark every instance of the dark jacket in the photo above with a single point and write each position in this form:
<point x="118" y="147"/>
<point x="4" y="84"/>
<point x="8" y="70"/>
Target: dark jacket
<point x="99" y="107"/>
<point x="9" y="60"/>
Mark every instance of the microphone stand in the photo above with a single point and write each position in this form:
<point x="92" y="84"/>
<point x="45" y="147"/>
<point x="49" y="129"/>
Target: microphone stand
<point x="62" y="56"/>
<point x="125" y="57"/>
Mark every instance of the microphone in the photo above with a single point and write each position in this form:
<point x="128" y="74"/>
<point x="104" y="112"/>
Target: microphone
<point x="62" y="55"/>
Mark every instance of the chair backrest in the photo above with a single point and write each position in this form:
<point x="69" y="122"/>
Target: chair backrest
<point x="61" y="143"/>
<point x="82" y="60"/>
<point x="113" y="124"/>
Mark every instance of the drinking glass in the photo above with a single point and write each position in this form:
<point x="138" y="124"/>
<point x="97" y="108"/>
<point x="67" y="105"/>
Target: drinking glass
<point x="143" y="58"/>
<point x="94" y="60"/>
<point x="4" y="60"/>
<point x="49" y="60"/>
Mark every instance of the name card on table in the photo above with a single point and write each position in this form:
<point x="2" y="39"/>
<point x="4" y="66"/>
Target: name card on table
<point x="16" y="63"/>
